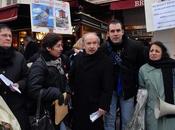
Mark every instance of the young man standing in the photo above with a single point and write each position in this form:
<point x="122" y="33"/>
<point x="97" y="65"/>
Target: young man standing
<point x="127" y="56"/>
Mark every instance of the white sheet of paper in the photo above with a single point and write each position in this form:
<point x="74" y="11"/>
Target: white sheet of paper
<point x="94" y="116"/>
<point x="8" y="82"/>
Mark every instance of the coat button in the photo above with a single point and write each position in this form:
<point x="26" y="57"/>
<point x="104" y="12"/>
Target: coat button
<point x="5" y="92"/>
<point x="3" y="71"/>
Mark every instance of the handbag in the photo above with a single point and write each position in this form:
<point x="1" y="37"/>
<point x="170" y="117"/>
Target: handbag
<point x="41" y="121"/>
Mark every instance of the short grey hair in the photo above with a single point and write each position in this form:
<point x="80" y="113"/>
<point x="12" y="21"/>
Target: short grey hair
<point x="90" y="33"/>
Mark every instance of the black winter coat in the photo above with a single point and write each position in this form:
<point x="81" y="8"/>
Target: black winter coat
<point x="91" y="81"/>
<point x="16" y="72"/>
<point x="48" y="78"/>
<point x="133" y="55"/>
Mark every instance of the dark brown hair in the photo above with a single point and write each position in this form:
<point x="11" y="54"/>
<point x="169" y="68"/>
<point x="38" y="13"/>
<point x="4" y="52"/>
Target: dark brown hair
<point x="163" y="48"/>
<point x="50" y="40"/>
<point x="3" y="26"/>
<point x="115" y="21"/>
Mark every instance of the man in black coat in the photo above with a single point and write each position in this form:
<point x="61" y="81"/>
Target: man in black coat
<point x="13" y="66"/>
<point x="29" y="48"/>
<point x="91" y="81"/>
<point x="127" y="56"/>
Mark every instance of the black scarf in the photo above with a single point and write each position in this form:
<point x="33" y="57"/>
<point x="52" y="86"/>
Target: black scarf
<point x="6" y="56"/>
<point x="166" y="66"/>
<point x="113" y="52"/>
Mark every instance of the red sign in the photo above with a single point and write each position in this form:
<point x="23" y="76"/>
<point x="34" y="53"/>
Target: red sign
<point x="8" y="13"/>
<point x="126" y="4"/>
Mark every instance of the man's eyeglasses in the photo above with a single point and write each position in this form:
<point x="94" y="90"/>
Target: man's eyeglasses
<point x="6" y="35"/>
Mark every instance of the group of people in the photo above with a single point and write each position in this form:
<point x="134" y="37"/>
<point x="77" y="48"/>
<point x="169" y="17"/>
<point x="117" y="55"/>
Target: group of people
<point x="100" y="79"/>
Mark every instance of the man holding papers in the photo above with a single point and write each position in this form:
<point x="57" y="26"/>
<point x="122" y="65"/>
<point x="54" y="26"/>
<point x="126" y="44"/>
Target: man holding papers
<point x="91" y="82"/>
<point x="13" y="72"/>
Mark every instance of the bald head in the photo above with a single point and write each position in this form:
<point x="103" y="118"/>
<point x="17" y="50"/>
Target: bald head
<point x="91" y="42"/>
<point x="91" y="35"/>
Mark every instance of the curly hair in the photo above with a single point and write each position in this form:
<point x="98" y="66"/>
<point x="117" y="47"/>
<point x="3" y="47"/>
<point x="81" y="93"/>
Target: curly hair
<point x="163" y="48"/>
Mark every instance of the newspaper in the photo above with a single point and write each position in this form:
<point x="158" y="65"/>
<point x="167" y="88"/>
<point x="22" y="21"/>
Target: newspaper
<point x="94" y="116"/>
<point x="9" y="83"/>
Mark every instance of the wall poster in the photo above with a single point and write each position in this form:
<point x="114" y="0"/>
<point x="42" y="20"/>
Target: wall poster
<point x="50" y="16"/>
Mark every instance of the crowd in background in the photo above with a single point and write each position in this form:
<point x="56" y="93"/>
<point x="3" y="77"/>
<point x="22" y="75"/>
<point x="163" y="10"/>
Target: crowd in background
<point x="97" y="77"/>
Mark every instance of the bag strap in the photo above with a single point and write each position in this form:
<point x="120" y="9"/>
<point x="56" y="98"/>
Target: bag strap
<point x="39" y="104"/>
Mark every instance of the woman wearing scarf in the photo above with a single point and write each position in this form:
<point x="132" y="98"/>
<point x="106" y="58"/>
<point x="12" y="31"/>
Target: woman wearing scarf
<point x="48" y="73"/>
<point x="158" y="77"/>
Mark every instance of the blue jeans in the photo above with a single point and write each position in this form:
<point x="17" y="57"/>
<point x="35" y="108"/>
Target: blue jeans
<point x="126" y="108"/>
<point x="62" y="126"/>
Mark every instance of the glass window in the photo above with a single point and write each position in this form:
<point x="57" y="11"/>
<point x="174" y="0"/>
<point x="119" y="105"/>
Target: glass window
<point x="0" y="3"/>
<point x="8" y="2"/>
<point x="15" y="1"/>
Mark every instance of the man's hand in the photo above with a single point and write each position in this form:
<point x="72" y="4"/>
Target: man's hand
<point x="16" y="85"/>
<point x="101" y="111"/>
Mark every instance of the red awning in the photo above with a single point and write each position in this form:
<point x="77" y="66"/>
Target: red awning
<point x="126" y="4"/>
<point x="9" y="13"/>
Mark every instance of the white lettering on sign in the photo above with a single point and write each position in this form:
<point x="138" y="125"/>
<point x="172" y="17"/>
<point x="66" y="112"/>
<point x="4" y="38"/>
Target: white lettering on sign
<point x="139" y="3"/>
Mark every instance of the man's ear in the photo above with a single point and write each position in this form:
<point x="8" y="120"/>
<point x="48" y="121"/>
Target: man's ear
<point x="123" y="31"/>
<point x="107" y="34"/>
<point x="98" y="45"/>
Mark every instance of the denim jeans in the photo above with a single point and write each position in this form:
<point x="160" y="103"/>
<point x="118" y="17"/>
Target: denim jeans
<point x="126" y="109"/>
<point x="62" y="126"/>
<point x="110" y="117"/>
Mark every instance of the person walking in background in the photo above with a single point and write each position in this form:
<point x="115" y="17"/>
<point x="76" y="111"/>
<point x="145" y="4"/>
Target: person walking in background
<point x="13" y="66"/>
<point x="91" y="82"/>
<point x="29" y="48"/>
<point x="48" y="73"/>
<point x="127" y="56"/>
<point x="158" y="77"/>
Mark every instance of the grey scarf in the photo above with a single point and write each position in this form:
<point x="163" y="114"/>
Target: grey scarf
<point x="56" y="63"/>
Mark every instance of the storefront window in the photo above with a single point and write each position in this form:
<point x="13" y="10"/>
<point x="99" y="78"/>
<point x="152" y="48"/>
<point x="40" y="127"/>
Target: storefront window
<point x="9" y="2"/>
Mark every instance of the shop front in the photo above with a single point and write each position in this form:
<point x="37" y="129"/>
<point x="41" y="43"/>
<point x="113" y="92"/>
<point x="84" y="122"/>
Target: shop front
<point x="83" y="23"/>
<point x="17" y="17"/>
<point x="132" y="14"/>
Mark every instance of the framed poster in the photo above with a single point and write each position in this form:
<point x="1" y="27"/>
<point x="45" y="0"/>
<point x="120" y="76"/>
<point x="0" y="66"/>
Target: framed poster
<point x="50" y="16"/>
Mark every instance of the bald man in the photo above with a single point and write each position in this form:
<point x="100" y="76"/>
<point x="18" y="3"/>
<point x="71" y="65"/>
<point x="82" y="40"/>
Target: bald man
<point x="91" y="81"/>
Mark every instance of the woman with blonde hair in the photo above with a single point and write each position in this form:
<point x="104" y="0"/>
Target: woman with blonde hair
<point x="78" y="46"/>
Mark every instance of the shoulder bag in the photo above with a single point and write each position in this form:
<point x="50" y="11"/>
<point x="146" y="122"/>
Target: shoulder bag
<point x="41" y="121"/>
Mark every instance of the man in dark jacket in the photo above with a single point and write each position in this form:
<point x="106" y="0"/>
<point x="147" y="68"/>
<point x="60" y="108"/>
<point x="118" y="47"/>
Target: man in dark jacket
<point x="91" y="81"/>
<point x="13" y="66"/>
<point x="127" y="56"/>
<point x="29" y="48"/>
